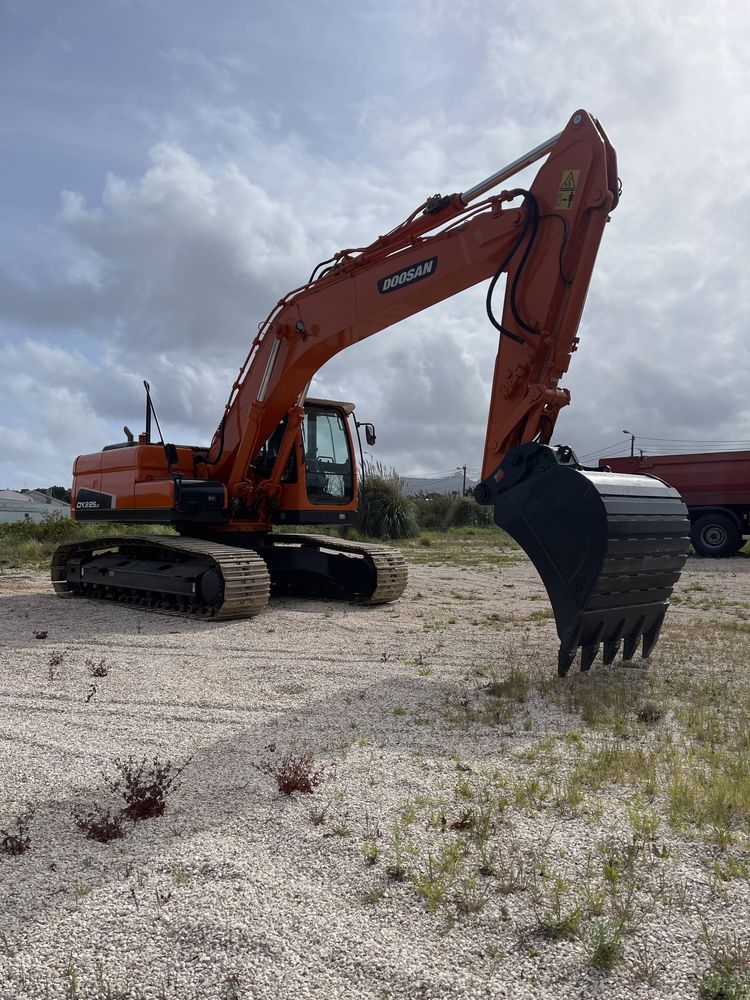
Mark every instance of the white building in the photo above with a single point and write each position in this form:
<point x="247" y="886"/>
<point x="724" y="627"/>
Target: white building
<point x="31" y="506"/>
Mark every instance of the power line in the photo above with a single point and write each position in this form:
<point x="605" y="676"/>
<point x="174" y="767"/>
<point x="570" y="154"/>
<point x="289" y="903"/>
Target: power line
<point x="642" y="437"/>
<point x="605" y="452"/>
<point x="664" y="445"/>
<point x="447" y="474"/>
<point x="665" y="450"/>
<point x="613" y="450"/>
<point x="597" y="451"/>
<point x="456" y="473"/>
<point x="432" y="475"/>
<point x="613" y="447"/>
<point x="683" y="450"/>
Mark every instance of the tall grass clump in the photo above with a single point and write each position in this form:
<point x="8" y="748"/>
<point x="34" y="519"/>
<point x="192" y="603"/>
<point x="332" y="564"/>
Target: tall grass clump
<point x="384" y="511"/>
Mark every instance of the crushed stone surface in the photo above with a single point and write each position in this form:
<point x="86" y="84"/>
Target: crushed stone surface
<point x="238" y="891"/>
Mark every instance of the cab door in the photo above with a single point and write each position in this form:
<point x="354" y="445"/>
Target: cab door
<point x="329" y="466"/>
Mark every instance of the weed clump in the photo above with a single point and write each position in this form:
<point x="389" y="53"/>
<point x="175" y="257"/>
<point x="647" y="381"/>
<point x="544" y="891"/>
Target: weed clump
<point x="470" y="898"/>
<point x="100" y="669"/>
<point x="55" y="661"/>
<point x="514" y="687"/>
<point x="561" y="918"/>
<point x="100" y="824"/>
<point x="370" y="853"/>
<point x="294" y="772"/>
<point x="728" y="977"/>
<point x="17" y="840"/>
<point x="319" y="816"/>
<point x="144" y="785"/>
<point x="606" y="947"/>
<point x="724" y="986"/>
<point x="650" y="712"/>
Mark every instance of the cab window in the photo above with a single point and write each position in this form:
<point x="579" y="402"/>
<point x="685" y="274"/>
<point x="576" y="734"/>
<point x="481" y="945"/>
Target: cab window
<point x="327" y="458"/>
<point x="264" y="461"/>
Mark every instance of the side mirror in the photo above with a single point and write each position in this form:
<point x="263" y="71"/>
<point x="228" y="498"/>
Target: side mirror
<point x="170" y="450"/>
<point x="370" y="434"/>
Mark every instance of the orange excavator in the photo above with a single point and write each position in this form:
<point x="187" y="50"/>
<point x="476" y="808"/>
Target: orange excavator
<point x="608" y="547"/>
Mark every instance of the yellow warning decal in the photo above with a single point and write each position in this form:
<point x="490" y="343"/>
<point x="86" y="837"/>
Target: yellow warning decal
<point x="568" y="185"/>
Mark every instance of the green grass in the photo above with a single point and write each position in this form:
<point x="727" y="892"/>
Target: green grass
<point x="481" y="545"/>
<point x="29" y="545"/>
<point x="476" y="546"/>
<point x="724" y="986"/>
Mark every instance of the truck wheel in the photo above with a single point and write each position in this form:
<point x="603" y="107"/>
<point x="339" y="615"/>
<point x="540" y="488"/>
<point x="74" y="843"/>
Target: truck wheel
<point x="715" y="536"/>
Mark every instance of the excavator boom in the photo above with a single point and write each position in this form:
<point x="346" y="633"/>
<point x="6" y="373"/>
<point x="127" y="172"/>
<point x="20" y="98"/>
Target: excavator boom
<point x="546" y="245"/>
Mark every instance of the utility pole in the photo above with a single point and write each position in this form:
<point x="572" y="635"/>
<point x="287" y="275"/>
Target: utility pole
<point x="458" y="469"/>
<point x="632" y="443"/>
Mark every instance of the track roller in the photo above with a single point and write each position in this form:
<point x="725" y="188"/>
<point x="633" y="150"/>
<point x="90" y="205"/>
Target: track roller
<point x="180" y="576"/>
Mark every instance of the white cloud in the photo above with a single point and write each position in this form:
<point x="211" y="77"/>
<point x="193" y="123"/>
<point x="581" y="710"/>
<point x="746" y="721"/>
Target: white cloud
<point x="168" y="271"/>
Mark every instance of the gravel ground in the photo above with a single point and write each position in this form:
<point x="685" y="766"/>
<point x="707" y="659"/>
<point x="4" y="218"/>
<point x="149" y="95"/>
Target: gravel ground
<point x="239" y="891"/>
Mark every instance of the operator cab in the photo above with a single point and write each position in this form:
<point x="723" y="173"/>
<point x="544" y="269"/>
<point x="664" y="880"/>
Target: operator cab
<point x="328" y="454"/>
<point x="326" y="491"/>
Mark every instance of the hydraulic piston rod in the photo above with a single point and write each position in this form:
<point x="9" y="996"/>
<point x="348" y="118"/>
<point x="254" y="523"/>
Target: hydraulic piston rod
<point x="512" y="168"/>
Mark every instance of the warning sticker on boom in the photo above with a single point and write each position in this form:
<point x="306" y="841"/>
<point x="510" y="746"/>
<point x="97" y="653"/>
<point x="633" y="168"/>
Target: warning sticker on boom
<point x="568" y="185"/>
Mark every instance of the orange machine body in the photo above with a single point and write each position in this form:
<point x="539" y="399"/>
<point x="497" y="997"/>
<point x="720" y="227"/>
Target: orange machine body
<point x="608" y="548"/>
<point x="546" y="245"/>
<point x="138" y="483"/>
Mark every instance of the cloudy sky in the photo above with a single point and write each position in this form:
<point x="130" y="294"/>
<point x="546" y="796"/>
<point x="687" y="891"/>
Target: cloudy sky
<point x="170" y="168"/>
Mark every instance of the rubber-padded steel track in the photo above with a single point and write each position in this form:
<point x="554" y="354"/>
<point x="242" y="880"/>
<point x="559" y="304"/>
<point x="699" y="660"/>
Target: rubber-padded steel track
<point x="389" y="565"/>
<point x="244" y="576"/>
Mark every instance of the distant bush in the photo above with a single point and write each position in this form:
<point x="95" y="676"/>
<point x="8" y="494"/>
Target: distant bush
<point x="31" y="543"/>
<point x="439" y="512"/>
<point x="384" y="510"/>
<point x="52" y="528"/>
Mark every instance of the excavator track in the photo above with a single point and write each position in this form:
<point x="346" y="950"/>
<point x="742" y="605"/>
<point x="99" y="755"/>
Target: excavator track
<point x="387" y="567"/>
<point x="188" y="577"/>
<point x="194" y="577"/>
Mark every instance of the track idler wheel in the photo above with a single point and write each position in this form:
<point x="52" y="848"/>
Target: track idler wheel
<point x="608" y="547"/>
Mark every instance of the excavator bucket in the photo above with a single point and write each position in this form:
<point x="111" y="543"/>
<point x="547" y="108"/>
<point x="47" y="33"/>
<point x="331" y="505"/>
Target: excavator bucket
<point x="608" y="547"/>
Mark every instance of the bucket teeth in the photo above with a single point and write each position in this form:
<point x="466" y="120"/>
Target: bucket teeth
<point x="630" y="646"/>
<point x="564" y="662"/>
<point x="588" y="655"/>
<point x="612" y="644"/>
<point x="650" y="637"/>
<point x="633" y="639"/>
<point x="611" y="647"/>
<point x="591" y="647"/>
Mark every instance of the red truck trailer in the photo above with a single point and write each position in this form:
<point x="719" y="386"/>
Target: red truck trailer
<point x="715" y="487"/>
